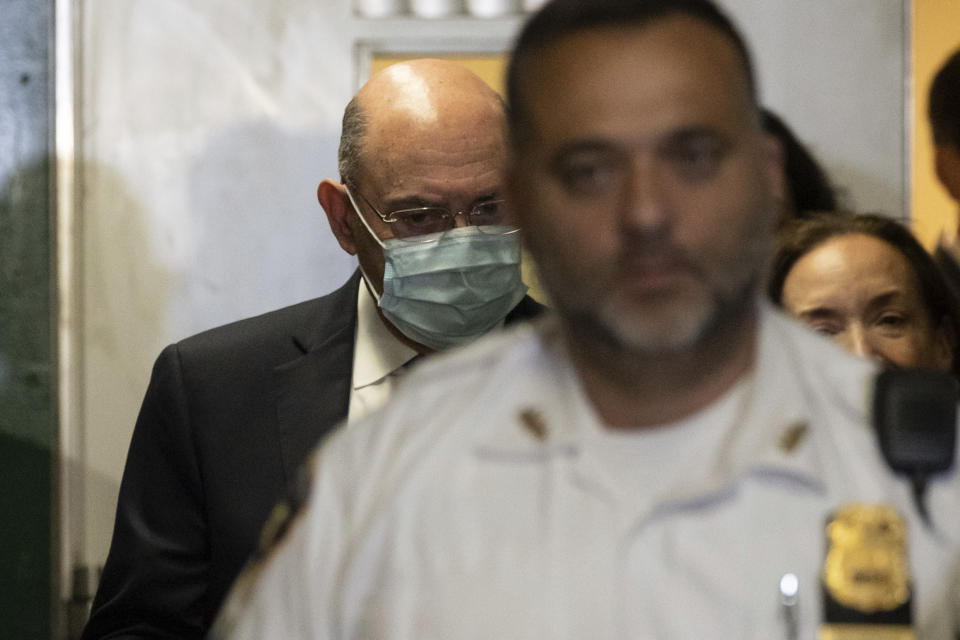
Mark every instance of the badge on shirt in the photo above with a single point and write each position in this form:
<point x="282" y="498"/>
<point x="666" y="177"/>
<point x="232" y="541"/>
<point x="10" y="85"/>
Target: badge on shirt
<point x="867" y="589"/>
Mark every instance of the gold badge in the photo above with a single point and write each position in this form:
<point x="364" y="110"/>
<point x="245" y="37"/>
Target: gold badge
<point x="865" y="632"/>
<point x="866" y="567"/>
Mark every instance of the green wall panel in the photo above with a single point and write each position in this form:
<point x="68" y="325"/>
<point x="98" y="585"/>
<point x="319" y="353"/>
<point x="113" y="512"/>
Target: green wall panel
<point x="27" y="338"/>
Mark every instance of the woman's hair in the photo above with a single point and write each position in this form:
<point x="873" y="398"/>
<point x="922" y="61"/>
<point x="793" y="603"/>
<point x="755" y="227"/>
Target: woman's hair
<point x="810" y="189"/>
<point x="799" y="237"/>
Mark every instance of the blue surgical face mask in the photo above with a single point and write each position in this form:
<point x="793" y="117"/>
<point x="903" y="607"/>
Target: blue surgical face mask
<point x="448" y="288"/>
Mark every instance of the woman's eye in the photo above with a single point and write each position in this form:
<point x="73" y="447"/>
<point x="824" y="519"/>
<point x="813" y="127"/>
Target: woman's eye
<point x="826" y="329"/>
<point x="826" y="326"/>
<point x="892" y="321"/>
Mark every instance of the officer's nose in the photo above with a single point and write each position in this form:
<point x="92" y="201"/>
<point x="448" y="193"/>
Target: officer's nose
<point x="644" y="197"/>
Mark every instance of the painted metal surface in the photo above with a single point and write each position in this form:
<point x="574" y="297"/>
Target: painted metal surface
<point x="27" y="375"/>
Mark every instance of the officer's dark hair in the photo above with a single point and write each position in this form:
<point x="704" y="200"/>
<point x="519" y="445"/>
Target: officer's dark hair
<point x="944" y="110"/>
<point x="809" y="187"/>
<point x="801" y="236"/>
<point x="562" y="18"/>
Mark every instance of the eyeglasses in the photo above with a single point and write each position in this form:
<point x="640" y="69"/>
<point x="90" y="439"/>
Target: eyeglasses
<point x="418" y="221"/>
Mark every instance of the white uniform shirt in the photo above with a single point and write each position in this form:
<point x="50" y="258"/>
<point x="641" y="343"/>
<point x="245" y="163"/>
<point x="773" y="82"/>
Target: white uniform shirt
<point x="470" y="508"/>
<point x="378" y="359"/>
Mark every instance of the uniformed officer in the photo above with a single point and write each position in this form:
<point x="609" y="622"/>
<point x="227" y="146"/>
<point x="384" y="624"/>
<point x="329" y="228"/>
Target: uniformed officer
<point x="667" y="456"/>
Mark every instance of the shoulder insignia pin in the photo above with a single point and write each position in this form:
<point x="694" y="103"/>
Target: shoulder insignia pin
<point x="793" y="436"/>
<point x="534" y="424"/>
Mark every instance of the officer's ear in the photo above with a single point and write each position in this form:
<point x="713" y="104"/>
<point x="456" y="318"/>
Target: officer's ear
<point x="333" y="198"/>
<point x="774" y="166"/>
<point x="515" y="178"/>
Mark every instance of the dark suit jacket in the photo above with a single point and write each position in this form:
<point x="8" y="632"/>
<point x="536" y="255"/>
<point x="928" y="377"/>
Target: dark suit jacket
<point x="228" y="417"/>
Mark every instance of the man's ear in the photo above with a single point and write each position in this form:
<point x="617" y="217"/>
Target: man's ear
<point x="947" y="163"/>
<point x="333" y="198"/>
<point x="773" y="172"/>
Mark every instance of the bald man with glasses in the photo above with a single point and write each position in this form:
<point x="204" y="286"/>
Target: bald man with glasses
<point x="230" y="414"/>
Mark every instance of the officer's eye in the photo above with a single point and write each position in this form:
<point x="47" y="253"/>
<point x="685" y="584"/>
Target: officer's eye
<point x="695" y="158"/>
<point x="589" y="174"/>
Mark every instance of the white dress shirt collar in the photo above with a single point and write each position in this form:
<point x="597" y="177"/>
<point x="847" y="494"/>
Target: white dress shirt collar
<point x="377" y="356"/>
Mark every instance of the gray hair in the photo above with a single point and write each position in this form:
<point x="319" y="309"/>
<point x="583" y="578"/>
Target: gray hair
<point x="352" y="131"/>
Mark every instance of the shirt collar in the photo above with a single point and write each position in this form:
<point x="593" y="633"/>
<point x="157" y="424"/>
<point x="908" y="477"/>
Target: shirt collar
<point x="377" y="353"/>
<point x="777" y="434"/>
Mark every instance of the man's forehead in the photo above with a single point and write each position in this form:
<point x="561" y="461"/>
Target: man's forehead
<point x="459" y="142"/>
<point x="444" y="145"/>
<point x="437" y="166"/>
<point x="412" y="122"/>
<point x="673" y="34"/>
<point x="676" y="67"/>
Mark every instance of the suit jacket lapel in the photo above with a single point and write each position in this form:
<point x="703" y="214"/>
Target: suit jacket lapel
<point x="313" y="391"/>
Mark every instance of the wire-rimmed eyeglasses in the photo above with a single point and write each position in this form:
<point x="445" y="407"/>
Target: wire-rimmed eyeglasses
<point x="408" y="224"/>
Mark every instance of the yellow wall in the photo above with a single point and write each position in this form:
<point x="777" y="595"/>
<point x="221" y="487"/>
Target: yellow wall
<point x="935" y="34"/>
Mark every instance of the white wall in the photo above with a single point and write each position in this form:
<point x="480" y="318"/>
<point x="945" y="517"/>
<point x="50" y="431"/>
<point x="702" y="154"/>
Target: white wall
<point x="206" y="127"/>
<point x="837" y="71"/>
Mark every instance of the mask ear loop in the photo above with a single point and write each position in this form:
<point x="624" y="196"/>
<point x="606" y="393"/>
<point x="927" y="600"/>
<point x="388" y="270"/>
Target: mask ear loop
<point x="366" y="279"/>
<point x="362" y="219"/>
<point x="370" y="287"/>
